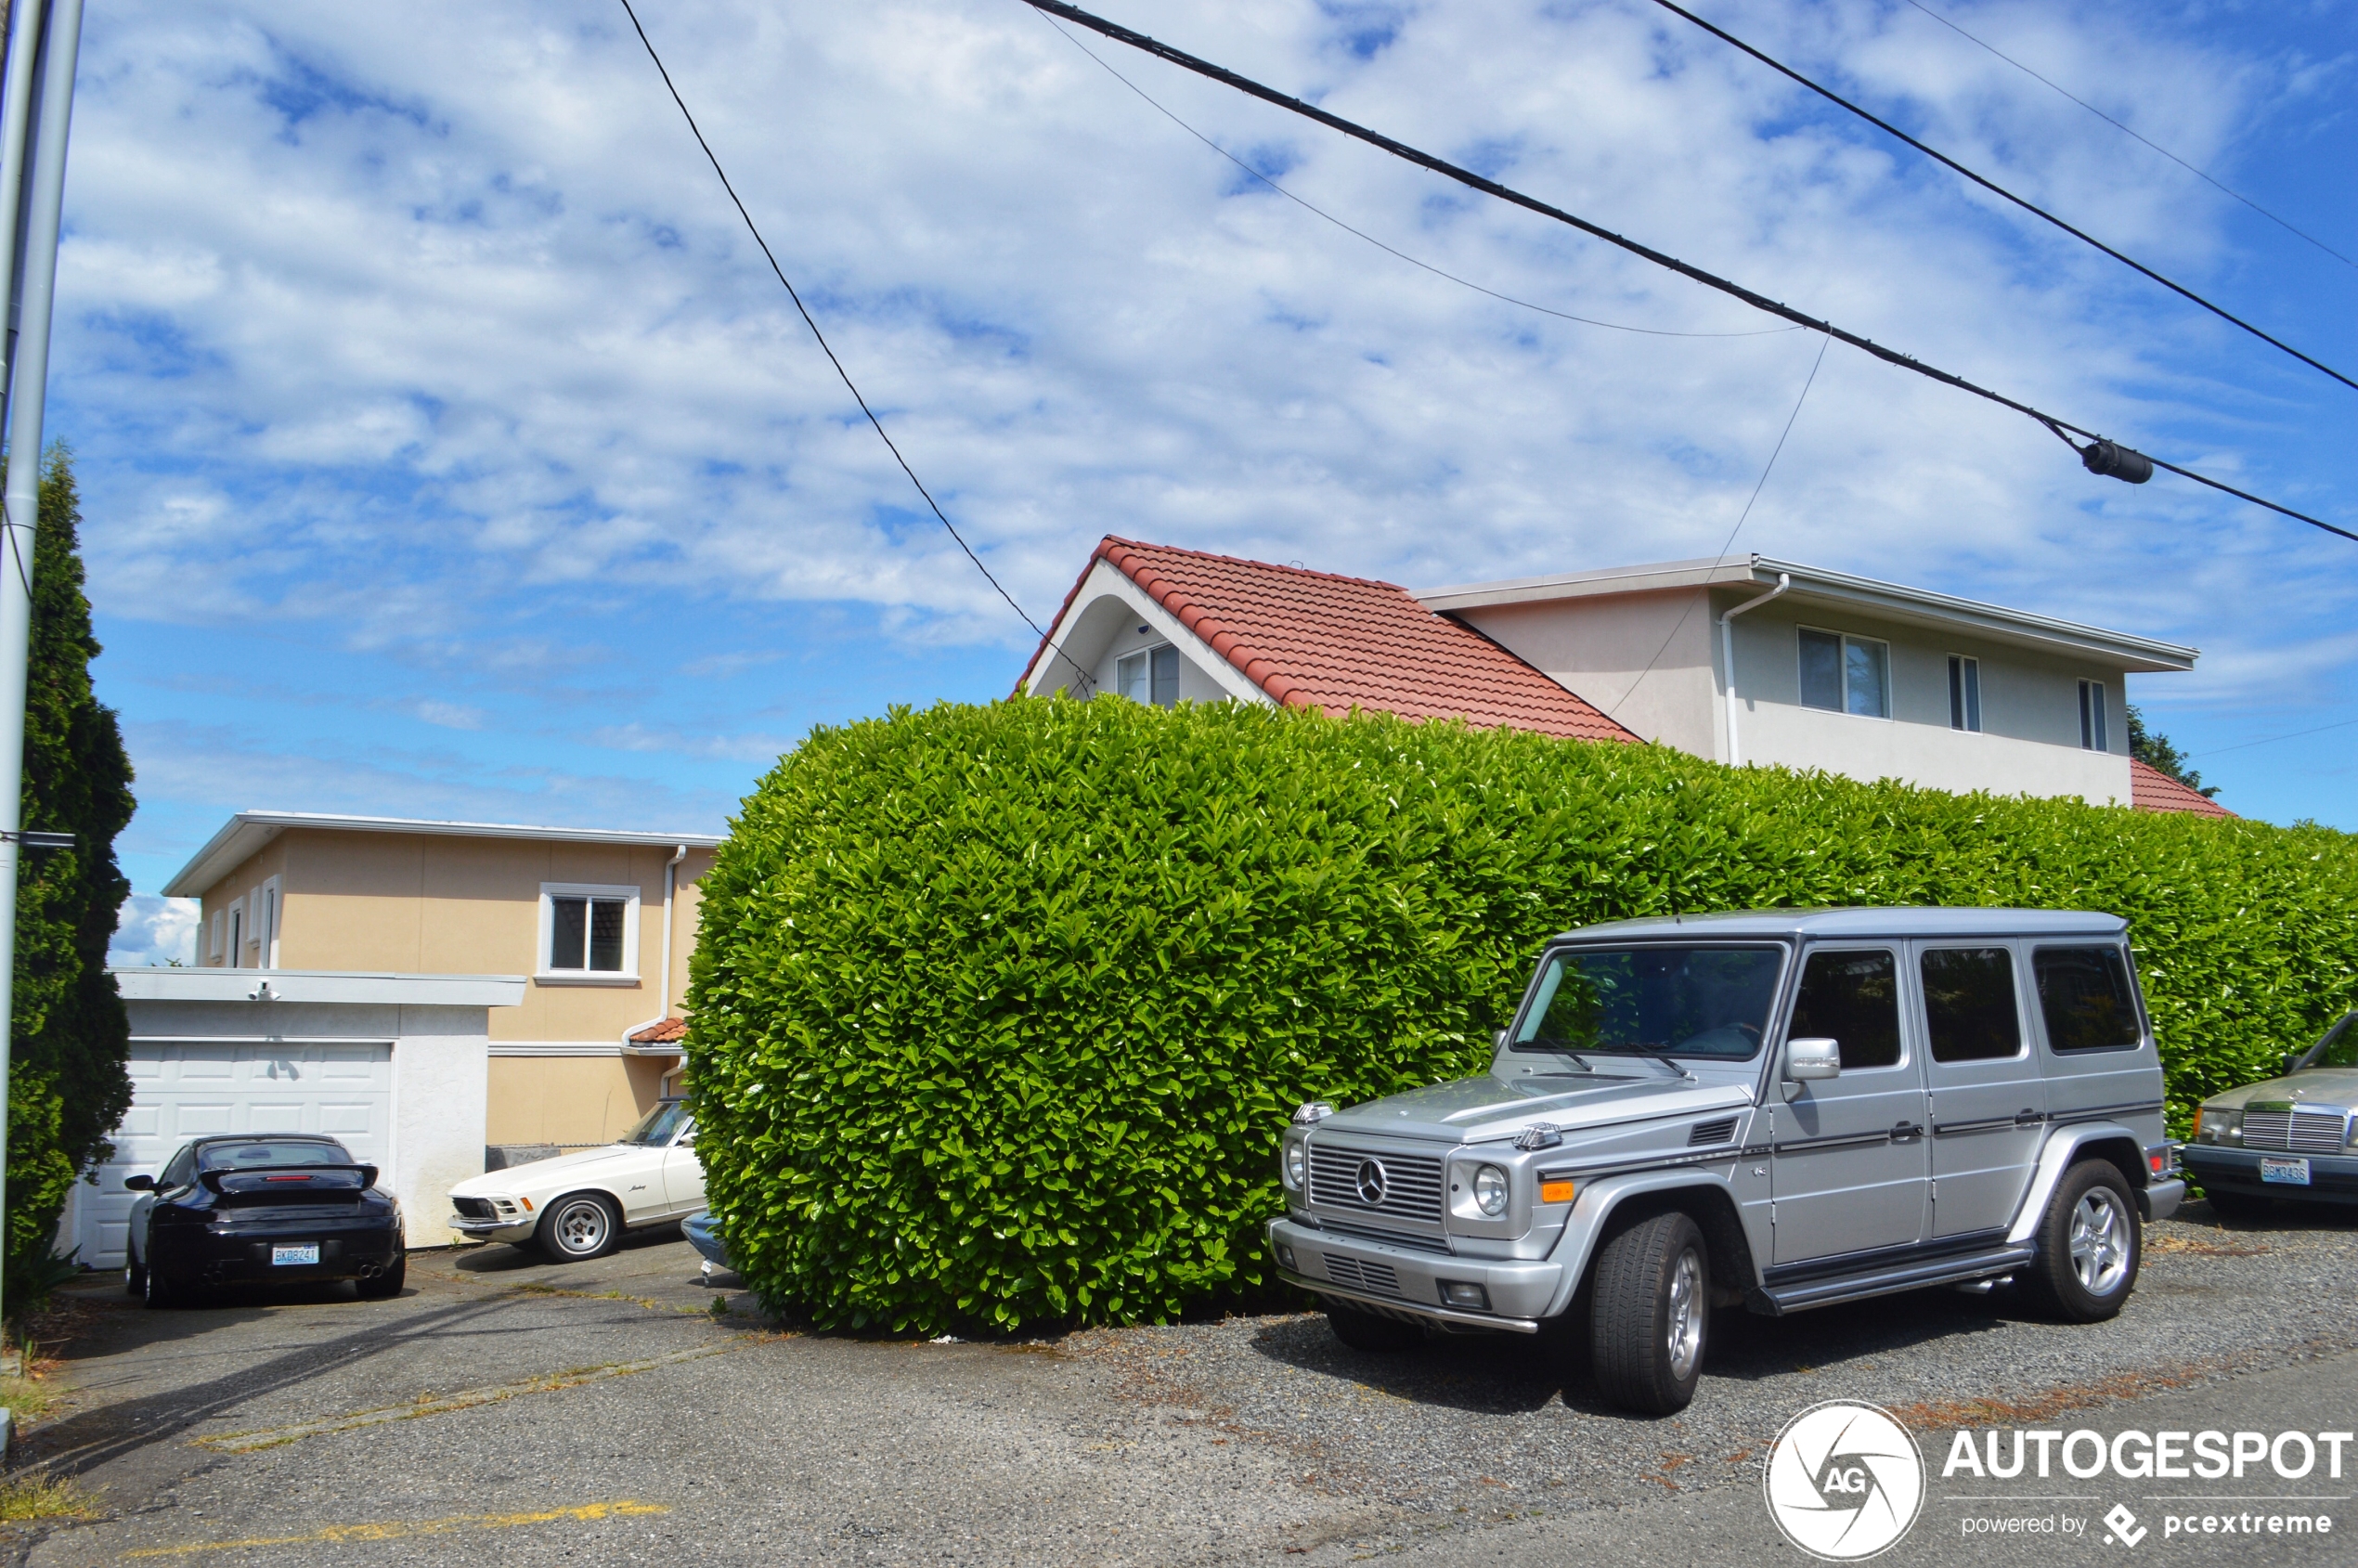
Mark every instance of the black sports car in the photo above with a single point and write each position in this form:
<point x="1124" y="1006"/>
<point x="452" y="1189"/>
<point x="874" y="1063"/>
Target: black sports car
<point x="261" y="1210"/>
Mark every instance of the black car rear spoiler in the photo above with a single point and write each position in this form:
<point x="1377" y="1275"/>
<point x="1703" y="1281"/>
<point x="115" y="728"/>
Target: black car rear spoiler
<point x="255" y="1180"/>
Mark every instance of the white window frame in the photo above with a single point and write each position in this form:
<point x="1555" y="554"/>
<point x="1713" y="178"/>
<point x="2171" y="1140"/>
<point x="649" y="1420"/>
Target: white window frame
<point x="627" y="893"/>
<point x="1144" y="659"/>
<point x="2094" y="730"/>
<point x="1844" y="640"/>
<point x="261" y="925"/>
<point x="236" y="934"/>
<point x="212" y="943"/>
<point x="1965" y="693"/>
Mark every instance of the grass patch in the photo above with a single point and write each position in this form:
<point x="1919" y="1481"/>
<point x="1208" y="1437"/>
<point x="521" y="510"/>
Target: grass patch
<point x="32" y="1494"/>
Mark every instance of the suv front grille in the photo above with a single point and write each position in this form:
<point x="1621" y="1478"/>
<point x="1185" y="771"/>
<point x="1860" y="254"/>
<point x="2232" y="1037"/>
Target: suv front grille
<point x="1408" y="1186"/>
<point x="1366" y="1275"/>
<point x="473" y="1208"/>
<point x="2304" y="1132"/>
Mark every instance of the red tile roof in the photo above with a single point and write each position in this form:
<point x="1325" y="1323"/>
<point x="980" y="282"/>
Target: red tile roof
<point x="669" y="1032"/>
<point x="2150" y="789"/>
<point x="1314" y="640"/>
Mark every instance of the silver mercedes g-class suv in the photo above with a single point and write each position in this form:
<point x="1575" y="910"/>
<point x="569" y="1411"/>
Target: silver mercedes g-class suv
<point x="1778" y="1110"/>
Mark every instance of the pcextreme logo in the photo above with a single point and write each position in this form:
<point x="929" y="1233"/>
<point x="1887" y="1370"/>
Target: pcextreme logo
<point x="1844" y="1480"/>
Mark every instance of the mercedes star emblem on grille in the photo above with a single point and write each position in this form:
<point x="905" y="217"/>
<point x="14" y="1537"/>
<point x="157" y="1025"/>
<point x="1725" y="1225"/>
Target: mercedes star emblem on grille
<point x="1370" y="1183"/>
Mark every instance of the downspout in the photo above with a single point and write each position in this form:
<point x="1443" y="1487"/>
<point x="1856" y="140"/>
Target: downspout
<point x="670" y="887"/>
<point x="1728" y="659"/>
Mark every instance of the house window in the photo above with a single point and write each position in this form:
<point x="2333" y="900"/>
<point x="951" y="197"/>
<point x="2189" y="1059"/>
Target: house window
<point x="2091" y="716"/>
<point x="1151" y="675"/>
<point x="588" y="932"/>
<point x="1964" y="692"/>
<point x="214" y="948"/>
<point x="1846" y="674"/>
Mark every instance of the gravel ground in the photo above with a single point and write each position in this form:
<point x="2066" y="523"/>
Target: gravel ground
<point x="596" y="1414"/>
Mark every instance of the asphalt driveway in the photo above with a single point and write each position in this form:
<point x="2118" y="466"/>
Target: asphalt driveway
<point x="601" y="1413"/>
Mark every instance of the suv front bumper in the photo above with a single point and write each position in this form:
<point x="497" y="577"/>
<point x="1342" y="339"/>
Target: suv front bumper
<point x="1405" y="1282"/>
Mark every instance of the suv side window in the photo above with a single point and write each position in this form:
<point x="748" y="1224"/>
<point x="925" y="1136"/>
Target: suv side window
<point x="2084" y="995"/>
<point x="1853" y="998"/>
<point x="1969" y="1003"/>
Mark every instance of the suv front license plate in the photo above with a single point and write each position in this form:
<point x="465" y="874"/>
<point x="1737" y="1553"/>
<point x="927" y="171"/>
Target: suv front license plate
<point x="2292" y="1172"/>
<point x="309" y="1251"/>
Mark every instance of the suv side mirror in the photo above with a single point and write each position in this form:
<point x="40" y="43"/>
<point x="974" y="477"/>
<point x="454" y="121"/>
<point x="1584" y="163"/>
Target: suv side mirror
<point x="1809" y="1060"/>
<point x="140" y="1184"/>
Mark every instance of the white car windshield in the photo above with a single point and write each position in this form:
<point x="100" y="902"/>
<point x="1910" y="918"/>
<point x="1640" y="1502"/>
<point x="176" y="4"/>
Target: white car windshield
<point x="661" y="1126"/>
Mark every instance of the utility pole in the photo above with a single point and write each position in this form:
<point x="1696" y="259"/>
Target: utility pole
<point x="36" y="109"/>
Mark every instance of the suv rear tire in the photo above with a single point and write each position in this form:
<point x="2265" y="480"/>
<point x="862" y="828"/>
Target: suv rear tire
<point x="1651" y="1314"/>
<point x="2089" y="1244"/>
<point x="1366" y="1331"/>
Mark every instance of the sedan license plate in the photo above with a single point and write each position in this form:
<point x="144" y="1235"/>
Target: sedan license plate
<point x="309" y="1251"/>
<point x="2292" y="1173"/>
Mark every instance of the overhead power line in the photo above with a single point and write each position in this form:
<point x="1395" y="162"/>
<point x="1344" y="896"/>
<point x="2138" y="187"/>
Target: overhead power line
<point x="2198" y="174"/>
<point x="1995" y="189"/>
<point x="2098" y="454"/>
<point x="1158" y="107"/>
<point x="755" y="229"/>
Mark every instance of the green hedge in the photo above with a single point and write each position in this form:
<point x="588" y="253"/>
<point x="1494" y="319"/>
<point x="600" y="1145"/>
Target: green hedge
<point x="999" y="1011"/>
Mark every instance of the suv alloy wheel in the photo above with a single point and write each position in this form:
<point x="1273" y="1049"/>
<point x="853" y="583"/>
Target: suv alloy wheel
<point x="2089" y="1244"/>
<point x="1651" y="1315"/>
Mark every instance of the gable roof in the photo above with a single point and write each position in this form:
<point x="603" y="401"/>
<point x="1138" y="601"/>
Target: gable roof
<point x="1314" y="640"/>
<point x="2150" y="789"/>
<point x="247" y="832"/>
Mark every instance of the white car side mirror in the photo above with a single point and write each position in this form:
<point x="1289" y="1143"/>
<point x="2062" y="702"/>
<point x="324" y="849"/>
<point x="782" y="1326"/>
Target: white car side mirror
<point x="1808" y="1061"/>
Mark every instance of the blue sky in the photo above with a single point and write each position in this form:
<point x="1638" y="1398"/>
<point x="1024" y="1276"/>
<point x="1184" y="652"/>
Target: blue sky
<point x="448" y="451"/>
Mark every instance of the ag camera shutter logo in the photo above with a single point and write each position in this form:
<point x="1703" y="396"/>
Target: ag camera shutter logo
<point x="1845" y="1481"/>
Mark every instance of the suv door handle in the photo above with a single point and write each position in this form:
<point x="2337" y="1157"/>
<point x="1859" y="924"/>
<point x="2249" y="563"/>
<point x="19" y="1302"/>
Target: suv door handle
<point x="1905" y="1130"/>
<point x="2027" y="1118"/>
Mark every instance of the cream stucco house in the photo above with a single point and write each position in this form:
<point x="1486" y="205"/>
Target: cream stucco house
<point x="1743" y="660"/>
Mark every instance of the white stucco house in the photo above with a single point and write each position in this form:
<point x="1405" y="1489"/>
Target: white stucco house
<point x="1742" y="660"/>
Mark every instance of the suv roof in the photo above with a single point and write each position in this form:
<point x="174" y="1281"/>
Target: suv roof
<point x="1906" y="921"/>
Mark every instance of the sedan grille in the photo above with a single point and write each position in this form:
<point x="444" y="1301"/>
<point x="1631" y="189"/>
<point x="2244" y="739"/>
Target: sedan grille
<point x="2304" y="1132"/>
<point x="1366" y="1275"/>
<point x="473" y="1208"/>
<point x="1366" y="1181"/>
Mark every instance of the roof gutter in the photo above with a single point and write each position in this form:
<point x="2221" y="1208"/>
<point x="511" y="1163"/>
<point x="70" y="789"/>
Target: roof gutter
<point x="1728" y="658"/>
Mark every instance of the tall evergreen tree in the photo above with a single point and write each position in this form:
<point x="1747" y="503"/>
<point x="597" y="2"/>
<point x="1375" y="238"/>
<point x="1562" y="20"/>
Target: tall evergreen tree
<point x="69" y="1086"/>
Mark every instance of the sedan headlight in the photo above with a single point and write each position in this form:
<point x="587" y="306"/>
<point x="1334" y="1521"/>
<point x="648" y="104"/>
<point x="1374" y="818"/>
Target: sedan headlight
<point x="2215" y="1126"/>
<point x="1297" y="1164"/>
<point x="1490" y="1191"/>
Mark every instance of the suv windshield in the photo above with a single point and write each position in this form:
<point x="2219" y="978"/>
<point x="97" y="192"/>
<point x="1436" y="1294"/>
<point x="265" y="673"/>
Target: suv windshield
<point x="1686" y="1001"/>
<point x="662" y="1124"/>
<point x="261" y="1152"/>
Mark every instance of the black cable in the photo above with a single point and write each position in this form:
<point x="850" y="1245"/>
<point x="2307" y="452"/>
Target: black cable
<point x="1730" y="542"/>
<point x="1994" y="188"/>
<point x="754" y="230"/>
<point x="1049" y="22"/>
<point x="1180" y="57"/>
<point x="2198" y="174"/>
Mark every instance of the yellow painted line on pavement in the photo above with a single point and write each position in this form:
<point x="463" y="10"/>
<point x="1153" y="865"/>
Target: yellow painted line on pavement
<point x="436" y="1404"/>
<point x="395" y="1530"/>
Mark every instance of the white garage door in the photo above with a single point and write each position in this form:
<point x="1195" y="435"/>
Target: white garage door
<point x="198" y="1088"/>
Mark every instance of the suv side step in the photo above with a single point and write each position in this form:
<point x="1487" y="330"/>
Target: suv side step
<point x="1776" y="1301"/>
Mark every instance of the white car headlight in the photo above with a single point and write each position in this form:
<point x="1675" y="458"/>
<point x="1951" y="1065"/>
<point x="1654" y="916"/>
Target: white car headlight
<point x="1490" y="1191"/>
<point x="2215" y="1126"/>
<point x="1297" y="1164"/>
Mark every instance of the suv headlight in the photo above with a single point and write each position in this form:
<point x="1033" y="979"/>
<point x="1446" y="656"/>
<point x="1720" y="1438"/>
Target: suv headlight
<point x="2215" y="1126"/>
<point x="1490" y="1191"/>
<point x="1296" y="1163"/>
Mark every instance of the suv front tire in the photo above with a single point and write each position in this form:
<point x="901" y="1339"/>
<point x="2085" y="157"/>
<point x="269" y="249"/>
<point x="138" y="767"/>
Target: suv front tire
<point x="2090" y="1245"/>
<point x="1651" y="1314"/>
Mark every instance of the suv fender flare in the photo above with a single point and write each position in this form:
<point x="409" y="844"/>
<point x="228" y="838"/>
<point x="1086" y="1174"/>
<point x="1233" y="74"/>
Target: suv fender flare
<point x="1596" y="1206"/>
<point x="2100" y="1140"/>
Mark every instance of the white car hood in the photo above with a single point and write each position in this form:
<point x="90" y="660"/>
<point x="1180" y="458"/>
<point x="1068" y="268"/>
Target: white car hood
<point x="540" y="1178"/>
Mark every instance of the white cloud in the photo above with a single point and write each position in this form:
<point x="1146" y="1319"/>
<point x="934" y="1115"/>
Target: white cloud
<point x="153" y="930"/>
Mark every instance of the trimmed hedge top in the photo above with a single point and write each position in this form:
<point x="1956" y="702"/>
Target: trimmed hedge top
<point x="999" y="1012"/>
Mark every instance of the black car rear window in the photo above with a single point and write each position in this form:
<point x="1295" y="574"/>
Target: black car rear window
<point x="260" y="1153"/>
<point x="2083" y="991"/>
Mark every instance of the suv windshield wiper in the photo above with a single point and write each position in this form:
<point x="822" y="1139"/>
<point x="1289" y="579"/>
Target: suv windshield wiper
<point x="1652" y="1053"/>
<point x="1561" y="1049"/>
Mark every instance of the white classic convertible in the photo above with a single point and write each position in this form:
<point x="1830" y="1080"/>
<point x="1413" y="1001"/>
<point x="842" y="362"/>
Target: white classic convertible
<point x="578" y="1205"/>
